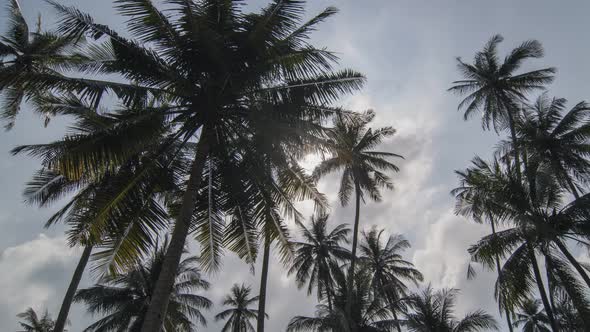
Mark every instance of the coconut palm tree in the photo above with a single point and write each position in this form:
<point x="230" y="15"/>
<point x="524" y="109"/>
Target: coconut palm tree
<point x="532" y="317"/>
<point x="476" y="184"/>
<point x="33" y="323"/>
<point x="370" y="313"/>
<point x="496" y="89"/>
<point x="388" y="270"/>
<point x="349" y="146"/>
<point x="557" y="138"/>
<point x="103" y="212"/>
<point x="124" y="298"/>
<point x="239" y="316"/>
<point x="432" y="311"/>
<point x="318" y="255"/>
<point x="210" y="66"/>
<point x="538" y="222"/>
<point x="22" y="52"/>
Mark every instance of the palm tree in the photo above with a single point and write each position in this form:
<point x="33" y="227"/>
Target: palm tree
<point x="496" y="89"/>
<point x="103" y="211"/>
<point x="433" y="312"/>
<point x="239" y="316"/>
<point x="539" y="223"/>
<point x="124" y="298"/>
<point x="476" y="184"/>
<point x="318" y="255"/>
<point x="210" y="66"/>
<point x="387" y="268"/>
<point x="532" y="317"/>
<point x="350" y="145"/>
<point x="33" y="323"/>
<point x="369" y="312"/>
<point x="23" y="52"/>
<point x="557" y="139"/>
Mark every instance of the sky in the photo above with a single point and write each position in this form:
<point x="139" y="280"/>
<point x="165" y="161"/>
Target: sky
<point x="407" y="50"/>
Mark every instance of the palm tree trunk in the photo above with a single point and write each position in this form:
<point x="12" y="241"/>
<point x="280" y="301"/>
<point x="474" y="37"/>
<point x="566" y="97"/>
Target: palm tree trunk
<point x="350" y="282"/>
<point x="541" y="287"/>
<point x="161" y="294"/>
<point x="514" y="143"/>
<point x="62" y="317"/>
<point x="502" y="296"/>
<point x="263" y="280"/>
<point x="573" y="261"/>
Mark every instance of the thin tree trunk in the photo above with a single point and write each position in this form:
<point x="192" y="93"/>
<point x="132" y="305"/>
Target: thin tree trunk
<point x="62" y="318"/>
<point x="263" y="281"/>
<point x="573" y="261"/>
<point x="161" y="294"/>
<point x="541" y="287"/>
<point x="548" y="268"/>
<point x="514" y="145"/>
<point x="502" y="295"/>
<point x="350" y="283"/>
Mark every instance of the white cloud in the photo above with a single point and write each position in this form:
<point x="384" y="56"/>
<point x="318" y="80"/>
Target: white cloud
<point x="29" y="273"/>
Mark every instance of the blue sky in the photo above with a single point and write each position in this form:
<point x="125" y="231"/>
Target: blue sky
<point x="407" y="50"/>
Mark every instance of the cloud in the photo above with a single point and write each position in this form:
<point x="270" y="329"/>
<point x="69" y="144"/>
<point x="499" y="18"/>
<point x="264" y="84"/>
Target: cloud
<point x="31" y="273"/>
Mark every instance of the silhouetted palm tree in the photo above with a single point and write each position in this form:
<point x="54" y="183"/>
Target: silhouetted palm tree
<point x="23" y="52"/>
<point x="558" y="139"/>
<point x="349" y="146"/>
<point x="239" y="316"/>
<point x="432" y="311"/>
<point x="33" y="323"/>
<point x="496" y="90"/>
<point x="370" y="313"/>
<point x="476" y="185"/>
<point x="124" y="298"/>
<point x="538" y="222"/>
<point x="103" y="212"/>
<point x="317" y="255"/>
<point x="211" y="67"/>
<point x="532" y="317"/>
<point x="387" y="268"/>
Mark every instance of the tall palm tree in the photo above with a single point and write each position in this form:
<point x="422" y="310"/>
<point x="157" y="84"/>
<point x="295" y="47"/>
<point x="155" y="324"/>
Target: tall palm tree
<point x="210" y="65"/>
<point x="124" y="298"/>
<point x="318" y="255"/>
<point x="560" y="140"/>
<point x="350" y="145"/>
<point x="496" y="89"/>
<point x="539" y="221"/>
<point x="103" y="211"/>
<point x="388" y="270"/>
<point x="476" y="184"/>
<point x="239" y="316"/>
<point x="433" y="312"/>
<point x="33" y="323"/>
<point x="369" y="312"/>
<point x="23" y="51"/>
<point x="532" y="317"/>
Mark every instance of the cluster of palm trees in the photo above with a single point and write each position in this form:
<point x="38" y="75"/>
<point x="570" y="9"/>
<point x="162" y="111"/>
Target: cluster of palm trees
<point x="532" y="192"/>
<point x="193" y="122"/>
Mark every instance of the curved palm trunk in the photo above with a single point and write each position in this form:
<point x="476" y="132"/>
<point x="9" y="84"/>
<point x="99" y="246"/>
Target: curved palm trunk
<point x="573" y="261"/>
<point x="62" y="318"/>
<point x="161" y="294"/>
<point x="263" y="281"/>
<point x="541" y="287"/>
<point x="350" y="282"/>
